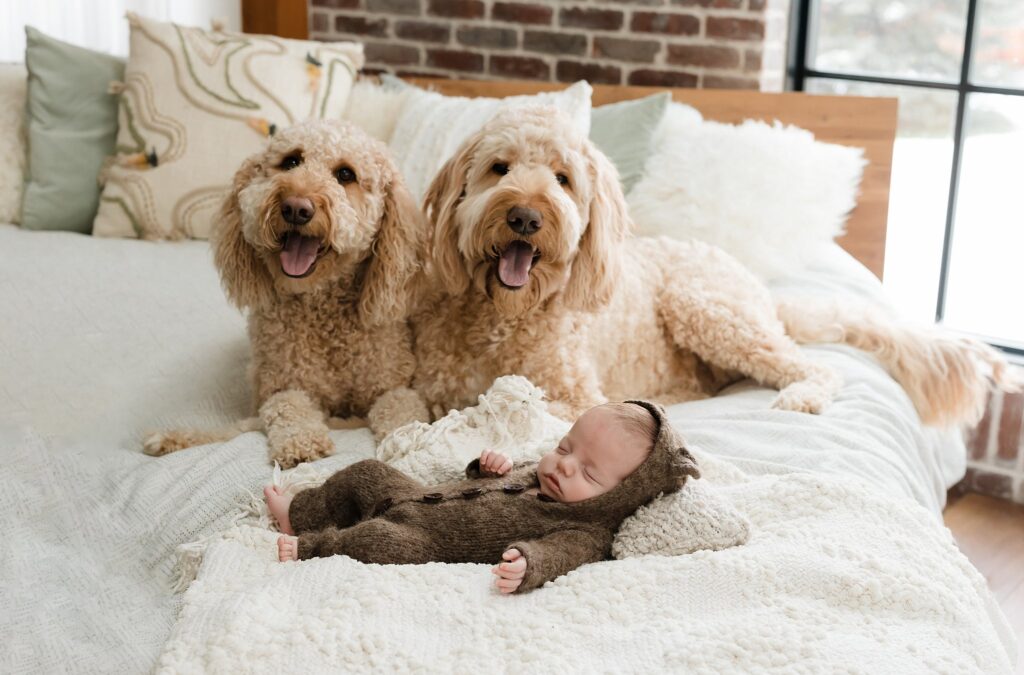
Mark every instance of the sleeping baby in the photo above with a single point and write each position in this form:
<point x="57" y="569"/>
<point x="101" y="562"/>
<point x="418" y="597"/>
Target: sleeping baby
<point x="541" y="519"/>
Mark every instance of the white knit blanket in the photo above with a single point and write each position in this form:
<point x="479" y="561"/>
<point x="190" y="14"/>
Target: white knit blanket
<point x="836" y="576"/>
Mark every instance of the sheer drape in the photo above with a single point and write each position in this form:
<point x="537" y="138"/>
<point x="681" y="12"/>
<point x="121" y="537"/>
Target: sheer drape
<point x="100" y="24"/>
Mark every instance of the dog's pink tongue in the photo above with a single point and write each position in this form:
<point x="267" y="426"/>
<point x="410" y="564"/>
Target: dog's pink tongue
<point x="298" y="254"/>
<point x="514" y="264"/>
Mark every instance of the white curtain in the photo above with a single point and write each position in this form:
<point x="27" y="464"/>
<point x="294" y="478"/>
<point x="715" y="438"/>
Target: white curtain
<point x="100" y="24"/>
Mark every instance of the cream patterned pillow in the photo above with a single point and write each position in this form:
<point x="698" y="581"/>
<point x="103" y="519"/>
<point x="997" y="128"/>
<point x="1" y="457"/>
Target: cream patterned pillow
<point x="431" y="127"/>
<point x="194" y="104"/>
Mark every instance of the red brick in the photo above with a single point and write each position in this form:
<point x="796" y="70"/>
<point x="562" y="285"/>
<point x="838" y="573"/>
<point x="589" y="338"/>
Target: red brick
<point x="670" y="24"/>
<point x="756" y="5"/>
<point x="992" y="483"/>
<point x="394" y="6"/>
<point x="358" y="25"/>
<point x="419" y="73"/>
<point x="571" y="71"/>
<point x="337" y="4"/>
<point x="492" y="38"/>
<point x="450" y="59"/>
<point x="459" y="9"/>
<point x="518" y="12"/>
<point x="618" y="49"/>
<point x="719" y="4"/>
<point x="752" y="61"/>
<point x="382" y="52"/>
<point x="373" y="71"/>
<point x="550" y="42"/>
<point x="1009" y="427"/>
<point x="726" y="82"/>
<point x="319" y="22"/>
<point x="422" y="31"/>
<point x="735" y="29"/>
<point x="977" y="439"/>
<point x="599" y="19"/>
<point x="662" y="78"/>
<point x="703" y="55"/>
<point x="523" y="67"/>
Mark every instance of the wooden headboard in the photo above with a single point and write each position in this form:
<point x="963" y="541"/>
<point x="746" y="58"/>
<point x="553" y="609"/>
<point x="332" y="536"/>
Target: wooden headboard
<point x="868" y="123"/>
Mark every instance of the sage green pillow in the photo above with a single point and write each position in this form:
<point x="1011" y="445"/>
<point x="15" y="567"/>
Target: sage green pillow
<point x="72" y="125"/>
<point x="623" y="132"/>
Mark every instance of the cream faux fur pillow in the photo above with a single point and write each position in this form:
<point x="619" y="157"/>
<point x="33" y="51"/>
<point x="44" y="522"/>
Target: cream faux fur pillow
<point x="770" y="195"/>
<point x="13" y="148"/>
<point x="194" y="105"/>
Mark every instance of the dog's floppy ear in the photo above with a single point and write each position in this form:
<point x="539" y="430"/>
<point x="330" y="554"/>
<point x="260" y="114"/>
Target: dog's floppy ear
<point x="397" y="252"/>
<point x="440" y="203"/>
<point x="596" y="266"/>
<point x="244" y="276"/>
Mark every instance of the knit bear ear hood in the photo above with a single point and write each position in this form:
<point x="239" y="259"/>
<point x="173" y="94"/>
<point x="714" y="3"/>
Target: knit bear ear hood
<point x="664" y="470"/>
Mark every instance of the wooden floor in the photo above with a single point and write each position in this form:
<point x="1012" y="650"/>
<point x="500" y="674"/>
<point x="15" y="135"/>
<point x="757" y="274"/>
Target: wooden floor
<point x="990" y="532"/>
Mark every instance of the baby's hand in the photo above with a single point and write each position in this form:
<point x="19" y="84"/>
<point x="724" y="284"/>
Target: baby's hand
<point x="494" y="463"/>
<point x="510" y="573"/>
<point x="287" y="548"/>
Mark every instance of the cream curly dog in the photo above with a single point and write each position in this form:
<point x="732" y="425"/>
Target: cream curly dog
<point x="320" y="241"/>
<point x="540" y="277"/>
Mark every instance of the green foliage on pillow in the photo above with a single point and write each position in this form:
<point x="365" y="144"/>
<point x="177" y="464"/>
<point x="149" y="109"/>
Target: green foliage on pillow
<point x="623" y="131"/>
<point x="72" y="125"/>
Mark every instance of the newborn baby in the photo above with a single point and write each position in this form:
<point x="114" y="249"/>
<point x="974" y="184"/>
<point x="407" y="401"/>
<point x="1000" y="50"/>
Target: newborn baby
<point x="543" y="519"/>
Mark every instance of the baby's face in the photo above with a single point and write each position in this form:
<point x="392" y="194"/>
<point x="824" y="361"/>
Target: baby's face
<point x="595" y="456"/>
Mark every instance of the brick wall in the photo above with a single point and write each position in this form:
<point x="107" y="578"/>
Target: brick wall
<point x="675" y="43"/>
<point x="995" y="460"/>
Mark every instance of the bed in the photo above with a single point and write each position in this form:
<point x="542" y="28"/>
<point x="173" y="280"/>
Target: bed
<point x="848" y="565"/>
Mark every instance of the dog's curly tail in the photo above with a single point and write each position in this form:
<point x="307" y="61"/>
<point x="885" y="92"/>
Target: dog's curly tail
<point x="947" y="377"/>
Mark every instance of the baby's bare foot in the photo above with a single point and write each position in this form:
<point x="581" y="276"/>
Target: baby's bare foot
<point x="287" y="548"/>
<point x="278" y="504"/>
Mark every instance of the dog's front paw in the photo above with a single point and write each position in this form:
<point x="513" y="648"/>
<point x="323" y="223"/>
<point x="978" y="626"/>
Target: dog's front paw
<point x="301" y="445"/>
<point x="160" y="443"/>
<point x="802" y="397"/>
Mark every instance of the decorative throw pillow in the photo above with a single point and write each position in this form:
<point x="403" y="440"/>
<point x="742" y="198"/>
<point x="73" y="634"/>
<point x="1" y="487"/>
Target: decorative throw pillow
<point x="431" y="127"/>
<point x="12" y="140"/>
<point x="375" y="108"/>
<point x="194" y="105"/>
<point x="770" y="195"/>
<point x="72" y="123"/>
<point x="623" y="132"/>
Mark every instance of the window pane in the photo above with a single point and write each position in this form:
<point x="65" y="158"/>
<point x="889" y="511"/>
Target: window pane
<point x="986" y="275"/>
<point x="922" y="158"/>
<point x="893" y="38"/>
<point x="999" y="44"/>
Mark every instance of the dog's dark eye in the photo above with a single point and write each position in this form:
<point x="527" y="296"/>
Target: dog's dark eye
<point x="499" y="168"/>
<point x="345" y="175"/>
<point x="563" y="179"/>
<point x="290" y="162"/>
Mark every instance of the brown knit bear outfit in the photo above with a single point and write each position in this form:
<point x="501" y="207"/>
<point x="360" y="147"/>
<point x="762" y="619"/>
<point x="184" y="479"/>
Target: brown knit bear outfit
<point x="376" y="514"/>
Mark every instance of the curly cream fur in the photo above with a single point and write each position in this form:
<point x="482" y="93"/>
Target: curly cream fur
<point x="332" y="342"/>
<point x="605" y="315"/>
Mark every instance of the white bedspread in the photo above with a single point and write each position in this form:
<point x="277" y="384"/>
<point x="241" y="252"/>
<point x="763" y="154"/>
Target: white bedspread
<point x="103" y="339"/>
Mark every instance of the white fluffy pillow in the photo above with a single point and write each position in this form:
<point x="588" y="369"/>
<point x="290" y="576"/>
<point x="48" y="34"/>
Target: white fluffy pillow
<point x="770" y="195"/>
<point x="375" y="109"/>
<point x="431" y="126"/>
<point x="13" y="147"/>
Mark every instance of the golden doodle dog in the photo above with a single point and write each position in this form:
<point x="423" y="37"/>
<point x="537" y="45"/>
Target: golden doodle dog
<point x="537" y="275"/>
<point x="320" y="241"/>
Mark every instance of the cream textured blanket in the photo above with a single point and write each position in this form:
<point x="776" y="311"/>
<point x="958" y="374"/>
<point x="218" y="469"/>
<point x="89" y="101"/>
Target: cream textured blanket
<point x="836" y="576"/>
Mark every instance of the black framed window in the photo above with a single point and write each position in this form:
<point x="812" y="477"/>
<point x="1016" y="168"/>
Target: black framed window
<point x="955" y="243"/>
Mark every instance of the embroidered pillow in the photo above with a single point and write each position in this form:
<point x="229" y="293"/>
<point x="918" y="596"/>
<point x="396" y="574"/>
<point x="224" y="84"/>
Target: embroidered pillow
<point x="194" y="104"/>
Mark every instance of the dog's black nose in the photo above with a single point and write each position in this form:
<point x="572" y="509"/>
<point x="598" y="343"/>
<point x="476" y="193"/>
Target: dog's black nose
<point x="297" y="210"/>
<point x="523" y="220"/>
